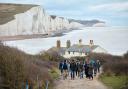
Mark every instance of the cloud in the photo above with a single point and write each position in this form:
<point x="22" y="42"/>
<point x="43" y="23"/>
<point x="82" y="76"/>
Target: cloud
<point x="106" y="10"/>
<point x="122" y="6"/>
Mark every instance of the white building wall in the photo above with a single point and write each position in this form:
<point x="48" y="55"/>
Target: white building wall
<point x="99" y="50"/>
<point x="67" y="55"/>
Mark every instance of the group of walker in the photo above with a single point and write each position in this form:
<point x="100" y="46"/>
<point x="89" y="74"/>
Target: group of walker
<point x="76" y="68"/>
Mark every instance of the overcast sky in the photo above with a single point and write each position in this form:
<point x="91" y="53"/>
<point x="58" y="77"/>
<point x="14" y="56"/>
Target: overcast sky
<point x="113" y="12"/>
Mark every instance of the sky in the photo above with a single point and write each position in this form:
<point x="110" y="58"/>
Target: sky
<point x="113" y="12"/>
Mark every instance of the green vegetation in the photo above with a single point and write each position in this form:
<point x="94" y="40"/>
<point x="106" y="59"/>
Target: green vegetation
<point x="54" y="72"/>
<point x="115" y="70"/>
<point x="17" y="67"/>
<point x="50" y="56"/>
<point x="115" y="82"/>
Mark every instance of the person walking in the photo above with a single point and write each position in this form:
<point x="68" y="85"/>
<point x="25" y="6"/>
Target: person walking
<point x="86" y="69"/>
<point x="61" y="67"/>
<point x="90" y="71"/>
<point x="95" y="67"/>
<point x="68" y="64"/>
<point x="72" y="68"/>
<point x="81" y="70"/>
<point x="98" y="66"/>
<point x="65" y="70"/>
<point x="76" y="70"/>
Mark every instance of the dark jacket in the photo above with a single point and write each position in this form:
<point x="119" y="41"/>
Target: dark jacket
<point x="81" y="67"/>
<point x="73" y="66"/>
<point x="86" y="67"/>
<point x="65" y="66"/>
<point x="60" y="65"/>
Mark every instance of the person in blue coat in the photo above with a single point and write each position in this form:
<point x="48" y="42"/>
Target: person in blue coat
<point x="61" y="67"/>
<point x="65" y="70"/>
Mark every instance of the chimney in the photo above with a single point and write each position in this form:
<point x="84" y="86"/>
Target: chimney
<point x="80" y="41"/>
<point x="68" y="43"/>
<point x="91" y="43"/>
<point x="58" y="44"/>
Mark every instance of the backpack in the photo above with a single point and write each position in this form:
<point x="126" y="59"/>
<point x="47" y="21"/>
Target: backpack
<point x="65" y="67"/>
<point x="60" y="65"/>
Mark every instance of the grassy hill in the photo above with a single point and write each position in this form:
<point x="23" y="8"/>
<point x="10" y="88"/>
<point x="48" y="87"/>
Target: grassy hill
<point x="7" y="11"/>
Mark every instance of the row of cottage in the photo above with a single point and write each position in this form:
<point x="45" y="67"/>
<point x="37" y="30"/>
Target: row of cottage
<point x="79" y="49"/>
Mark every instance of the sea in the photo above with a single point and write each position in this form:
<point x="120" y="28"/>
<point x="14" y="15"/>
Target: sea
<point x="113" y="39"/>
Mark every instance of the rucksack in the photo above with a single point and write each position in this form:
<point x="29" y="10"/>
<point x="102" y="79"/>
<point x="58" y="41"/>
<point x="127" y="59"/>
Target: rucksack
<point x="65" y="67"/>
<point x="60" y="65"/>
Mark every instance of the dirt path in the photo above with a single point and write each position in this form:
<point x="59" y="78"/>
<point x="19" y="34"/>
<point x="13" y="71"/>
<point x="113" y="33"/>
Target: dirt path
<point x="79" y="84"/>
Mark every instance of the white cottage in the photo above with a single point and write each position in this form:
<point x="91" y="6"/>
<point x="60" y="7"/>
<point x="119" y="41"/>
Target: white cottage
<point x="77" y="49"/>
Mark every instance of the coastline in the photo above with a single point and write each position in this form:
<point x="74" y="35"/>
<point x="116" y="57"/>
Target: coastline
<point x="32" y="36"/>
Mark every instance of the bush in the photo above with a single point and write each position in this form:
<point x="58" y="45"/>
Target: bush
<point x="117" y="65"/>
<point x="16" y="68"/>
<point x="12" y="67"/>
<point x="50" y="56"/>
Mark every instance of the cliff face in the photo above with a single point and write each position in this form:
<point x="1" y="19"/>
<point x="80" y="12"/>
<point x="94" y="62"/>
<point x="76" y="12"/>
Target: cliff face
<point x="32" y="20"/>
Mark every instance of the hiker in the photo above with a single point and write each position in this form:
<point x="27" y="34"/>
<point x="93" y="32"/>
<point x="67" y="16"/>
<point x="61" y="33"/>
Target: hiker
<point x="86" y="68"/>
<point x="81" y="70"/>
<point x="95" y="66"/>
<point x="65" y="70"/>
<point x="61" y="67"/>
<point x="76" y="70"/>
<point x="90" y="71"/>
<point x="72" y="68"/>
<point x="98" y="66"/>
<point x="68" y="63"/>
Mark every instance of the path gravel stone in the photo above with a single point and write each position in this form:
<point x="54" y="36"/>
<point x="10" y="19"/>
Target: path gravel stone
<point x="79" y="84"/>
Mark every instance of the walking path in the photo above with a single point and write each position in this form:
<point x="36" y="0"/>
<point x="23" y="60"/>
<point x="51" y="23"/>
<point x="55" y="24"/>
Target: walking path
<point x="79" y="84"/>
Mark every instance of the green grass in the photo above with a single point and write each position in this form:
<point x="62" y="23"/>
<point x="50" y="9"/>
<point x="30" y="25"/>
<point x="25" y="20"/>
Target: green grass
<point x="114" y="82"/>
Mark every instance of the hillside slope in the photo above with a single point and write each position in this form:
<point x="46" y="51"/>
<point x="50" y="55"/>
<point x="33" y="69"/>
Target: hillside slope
<point x="7" y="11"/>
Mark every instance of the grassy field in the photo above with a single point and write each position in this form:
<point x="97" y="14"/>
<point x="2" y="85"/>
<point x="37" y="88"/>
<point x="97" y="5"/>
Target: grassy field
<point x="7" y="11"/>
<point x="114" y="82"/>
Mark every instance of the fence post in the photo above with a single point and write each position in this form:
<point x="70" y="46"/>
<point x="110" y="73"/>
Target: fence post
<point x="47" y="83"/>
<point x="37" y="82"/>
<point x="27" y="86"/>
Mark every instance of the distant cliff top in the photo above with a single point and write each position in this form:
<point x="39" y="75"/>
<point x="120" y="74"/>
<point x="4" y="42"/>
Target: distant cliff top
<point x="7" y="11"/>
<point x="88" y="23"/>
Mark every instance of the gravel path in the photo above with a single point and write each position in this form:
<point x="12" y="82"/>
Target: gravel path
<point x="79" y="84"/>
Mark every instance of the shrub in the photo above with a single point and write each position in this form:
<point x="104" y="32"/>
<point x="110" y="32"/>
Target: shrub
<point x="116" y="65"/>
<point x="50" y="56"/>
<point x="12" y="67"/>
<point x="16" y="68"/>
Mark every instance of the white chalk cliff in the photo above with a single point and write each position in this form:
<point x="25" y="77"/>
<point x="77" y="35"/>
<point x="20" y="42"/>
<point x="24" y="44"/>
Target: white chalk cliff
<point x="35" y="21"/>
